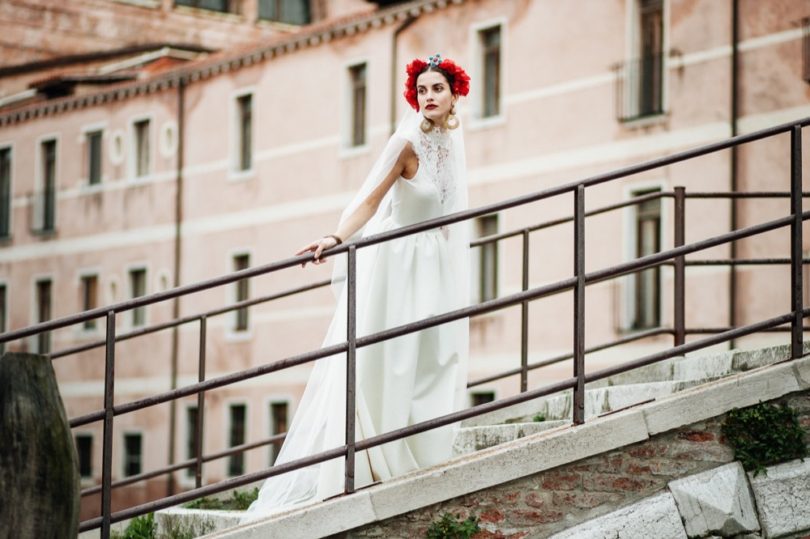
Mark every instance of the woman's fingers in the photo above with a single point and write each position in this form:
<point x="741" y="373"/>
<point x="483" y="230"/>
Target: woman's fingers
<point x="317" y="248"/>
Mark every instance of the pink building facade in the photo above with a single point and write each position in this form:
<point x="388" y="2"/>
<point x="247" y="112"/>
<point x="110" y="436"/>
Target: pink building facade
<point x="235" y="159"/>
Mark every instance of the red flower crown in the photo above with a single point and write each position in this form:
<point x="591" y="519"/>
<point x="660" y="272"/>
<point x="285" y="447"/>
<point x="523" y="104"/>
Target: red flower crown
<point x="458" y="78"/>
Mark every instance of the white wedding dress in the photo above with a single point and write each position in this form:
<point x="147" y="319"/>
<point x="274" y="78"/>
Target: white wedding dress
<point x="399" y="382"/>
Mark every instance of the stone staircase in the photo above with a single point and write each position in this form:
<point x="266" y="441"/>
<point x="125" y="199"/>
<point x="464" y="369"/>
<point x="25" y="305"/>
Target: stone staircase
<point x="500" y="427"/>
<point x="609" y="395"/>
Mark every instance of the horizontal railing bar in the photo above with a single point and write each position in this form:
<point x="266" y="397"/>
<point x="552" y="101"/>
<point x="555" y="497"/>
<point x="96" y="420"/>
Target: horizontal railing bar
<point x="190" y="318"/>
<point x="407" y="230"/>
<point x="214" y="383"/>
<point x="747" y="194"/>
<point x="706" y="331"/>
<point x="743" y="262"/>
<point x="188" y="463"/>
<point x="639" y="263"/>
<point x="688" y="347"/>
<point x="562" y="220"/>
<point x="216" y="488"/>
<point x="557" y="359"/>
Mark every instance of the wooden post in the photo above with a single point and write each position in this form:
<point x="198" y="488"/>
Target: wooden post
<point x="39" y="472"/>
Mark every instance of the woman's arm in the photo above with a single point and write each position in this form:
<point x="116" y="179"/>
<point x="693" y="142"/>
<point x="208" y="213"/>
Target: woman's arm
<point x="365" y="210"/>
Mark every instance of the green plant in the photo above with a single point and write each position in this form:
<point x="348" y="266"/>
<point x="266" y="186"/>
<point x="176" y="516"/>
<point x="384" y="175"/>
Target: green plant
<point x="451" y="527"/>
<point x="142" y="527"/>
<point x="239" y="501"/>
<point x="764" y="434"/>
<point x="539" y="418"/>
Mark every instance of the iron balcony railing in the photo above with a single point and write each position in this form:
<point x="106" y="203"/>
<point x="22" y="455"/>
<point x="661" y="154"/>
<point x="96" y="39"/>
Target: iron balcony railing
<point x="577" y="283"/>
<point x="805" y="25"/>
<point x="640" y="87"/>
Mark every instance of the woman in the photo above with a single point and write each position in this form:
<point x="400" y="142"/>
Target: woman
<point x="420" y="175"/>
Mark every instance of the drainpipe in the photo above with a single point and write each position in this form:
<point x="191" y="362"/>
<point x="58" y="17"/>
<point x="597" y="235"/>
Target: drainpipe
<point x="178" y="220"/>
<point x="395" y="69"/>
<point x="735" y="83"/>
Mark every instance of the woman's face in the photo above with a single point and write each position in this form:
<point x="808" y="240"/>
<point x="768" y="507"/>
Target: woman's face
<point x="434" y="96"/>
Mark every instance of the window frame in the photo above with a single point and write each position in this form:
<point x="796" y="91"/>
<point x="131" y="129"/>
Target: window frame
<point x="274" y="449"/>
<point x="39" y="207"/>
<point x="191" y="471"/>
<point x="88" y="137"/>
<point x="477" y="273"/>
<point x="36" y="342"/>
<point x="132" y="167"/>
<point x="477" y="118"/>
<point x="280" y="20"/>
<point x="86" y="435"/>
<point x="125" y="453"/>
<point x="237" y="289"/>
<point x="626" y="312"/>
<point x="235" y="173"/>
<point x="229" y="423"/>
<point x="10" y="204"/>
<point x="131" y="319"/>
<point x="4" y="311"/>
<point x="87" y="326"/>
<point x="632" y="53"/>
<point x="348" y="148"/>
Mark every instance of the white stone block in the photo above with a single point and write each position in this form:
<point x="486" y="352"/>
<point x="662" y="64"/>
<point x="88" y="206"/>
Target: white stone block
<point x="656" y="516"/>
<point x="716" y="501"/>
<point x="783" y="498"/>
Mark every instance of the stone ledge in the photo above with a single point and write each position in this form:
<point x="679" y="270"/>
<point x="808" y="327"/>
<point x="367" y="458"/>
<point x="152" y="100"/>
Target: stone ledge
<point x="526" y="456"/>
<point x="783" y="498"/>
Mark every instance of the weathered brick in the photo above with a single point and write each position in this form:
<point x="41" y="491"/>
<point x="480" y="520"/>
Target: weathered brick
<point x="583" y="500"/>
<point x="538" y="500"/>
<point x="562" y="481"/>
<point x="491" y="515"/>
<point x="522" y="517"/>
<point x="615" y="483"/>
<point x="486" y="534"/>
<point x="697" y="436"/>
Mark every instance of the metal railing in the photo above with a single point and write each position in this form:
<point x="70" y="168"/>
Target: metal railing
<point x="577" y="284"/>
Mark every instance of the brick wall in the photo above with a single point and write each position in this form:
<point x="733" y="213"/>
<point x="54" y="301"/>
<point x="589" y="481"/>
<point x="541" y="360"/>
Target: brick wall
<point x="548" y="502"/>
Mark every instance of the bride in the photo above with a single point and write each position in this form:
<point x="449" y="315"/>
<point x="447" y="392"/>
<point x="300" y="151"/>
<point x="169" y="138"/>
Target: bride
<point x="420" y="175"/>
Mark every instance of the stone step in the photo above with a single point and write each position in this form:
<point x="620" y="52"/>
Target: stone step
<point x="639" y="385"/>
<point x="469" y="439"/>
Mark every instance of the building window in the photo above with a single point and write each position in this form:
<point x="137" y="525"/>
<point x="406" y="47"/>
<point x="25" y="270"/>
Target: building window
<point x="89" y="298"/>
<point x="481" y="397"/>
<point x="5" y="192"/>
<point x="485" y="265"/>
<point x="805" y="24"/>
<point x="244" y="106"/>
<point x="3" y="315"/>
<point x="286" y="11"/>
<point x="641" y="80"/>
<point x="84" y="448"/>
<point x="242" y="292"/>
<point x="191" y="437"/>
<point x="357" y="91"/>
<point x="651" y="73"/>
<point x="647" y="293"/>
<point x="45" y="205"/>
<point x="133" y="454"/>
<point x="236" y="436"/>
<point x="490" y="44"/>
<point x="43" y="314"/>
<point x="94" y="157"/>
<point x="137" y="286"/>
<point x="278" y="425"/>
<point x="141" y="132"/>
<point x="222" y="6"/>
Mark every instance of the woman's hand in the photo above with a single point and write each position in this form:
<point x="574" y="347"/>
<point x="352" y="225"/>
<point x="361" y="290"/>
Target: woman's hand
<point x="318" y="247"/>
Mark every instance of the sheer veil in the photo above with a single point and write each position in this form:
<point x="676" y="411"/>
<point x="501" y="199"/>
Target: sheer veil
<point x="318" y="423"/>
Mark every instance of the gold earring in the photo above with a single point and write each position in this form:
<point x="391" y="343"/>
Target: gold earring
<point x="451" y="122"/>
<point x="426" y="125"/>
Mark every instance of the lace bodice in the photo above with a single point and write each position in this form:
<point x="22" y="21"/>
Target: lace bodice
<point x="434" y="150"/>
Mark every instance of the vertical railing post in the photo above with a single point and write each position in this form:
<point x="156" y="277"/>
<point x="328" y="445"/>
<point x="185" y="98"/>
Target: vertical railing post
<point x="579" y="305"/>
<point x="679" y="296"/>
<point x="524" y="319"/>
<point x="107" y="446"/>
<point x="796" y="241"/>
<point x="351" y="336"/>
<point x="198" y="438"/>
